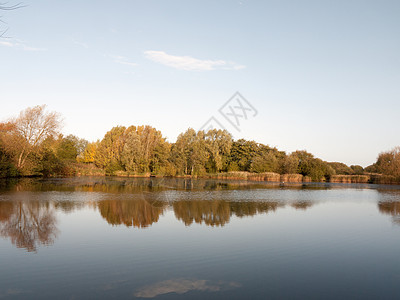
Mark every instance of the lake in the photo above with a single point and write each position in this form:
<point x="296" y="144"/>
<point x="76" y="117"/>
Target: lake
<point x="96" y="237"/>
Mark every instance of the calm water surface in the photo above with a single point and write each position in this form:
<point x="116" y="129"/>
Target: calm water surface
<point x="119" y="238"/>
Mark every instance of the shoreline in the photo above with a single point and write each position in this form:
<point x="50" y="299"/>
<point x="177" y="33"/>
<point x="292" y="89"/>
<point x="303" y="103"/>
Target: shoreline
<point x="276" y="177"/>
<point x="245" y="176"/>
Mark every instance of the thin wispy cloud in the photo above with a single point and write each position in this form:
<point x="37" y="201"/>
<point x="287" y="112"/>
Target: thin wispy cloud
<point x="20" y="45"/>
<point x="7" y="44"/>
<point x="84" y="45"/>
<point x="189" y="63"/>
<point x="123" y="60"/>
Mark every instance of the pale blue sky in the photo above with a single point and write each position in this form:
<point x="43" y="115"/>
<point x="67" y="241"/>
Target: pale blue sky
<point x="323" y="75"/>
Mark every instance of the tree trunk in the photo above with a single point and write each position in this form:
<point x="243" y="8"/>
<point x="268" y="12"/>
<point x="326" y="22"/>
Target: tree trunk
<point x="20" y="161"/>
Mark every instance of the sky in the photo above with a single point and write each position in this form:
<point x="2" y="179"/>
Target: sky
<point x="321" y="76"/>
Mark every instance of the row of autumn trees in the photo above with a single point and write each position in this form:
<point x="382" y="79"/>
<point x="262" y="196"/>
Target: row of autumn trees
<point x="31" y="144"/>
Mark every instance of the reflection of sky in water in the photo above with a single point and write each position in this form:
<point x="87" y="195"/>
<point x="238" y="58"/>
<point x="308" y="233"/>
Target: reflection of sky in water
<point x="244" y="243"/>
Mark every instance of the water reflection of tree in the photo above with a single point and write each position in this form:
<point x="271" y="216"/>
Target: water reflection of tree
<point x="213" y="213"/>
<point x="390" y="208"/>
<point x="303" y="205"/>
<point x="136" y="212"/>
<point x="139" y="185"/>
<point x="28" y="223"/>
<point x="70" y="206"/>
<point x="218" y="212"/>
<point x="135" y="201"/>
<point x="244" y="209"/>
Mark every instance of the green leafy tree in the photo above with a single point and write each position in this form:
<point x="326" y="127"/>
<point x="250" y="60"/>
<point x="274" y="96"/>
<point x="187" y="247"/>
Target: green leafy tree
<point x="190" y="153"/>
<point x="67" y="149"/>
<point x="265" y="162"/>
<point x="145" y="150"/>
<point x="7" y="155"/>
<point x="159" y="163"/>
<point x="315" y="168"/>
<point x="388" y="163"/>
<point x="358" y="170"/>
<point x="7" y="168"/>
<point x="133" y="154"/>
<point x="89" y="153"/>
<point x="242" y="153"/>
<point x="108" y="155"/>
<point x="218" y="144"/>
<point x="290" y="164"/>
<point x="341" y="168"/>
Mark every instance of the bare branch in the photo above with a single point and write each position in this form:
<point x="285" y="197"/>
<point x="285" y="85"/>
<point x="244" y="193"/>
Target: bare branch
<point x="2" y="33"/>
<point x="6" y="7"/>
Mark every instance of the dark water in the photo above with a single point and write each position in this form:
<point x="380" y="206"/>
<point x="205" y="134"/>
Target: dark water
<point x="199" y="239"/>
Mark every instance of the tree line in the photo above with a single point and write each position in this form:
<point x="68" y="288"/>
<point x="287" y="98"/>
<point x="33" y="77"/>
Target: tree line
<point x="32" y="144"/>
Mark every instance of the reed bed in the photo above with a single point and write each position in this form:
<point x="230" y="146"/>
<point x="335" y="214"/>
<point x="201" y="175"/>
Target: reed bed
<point x="350" y="179"/>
